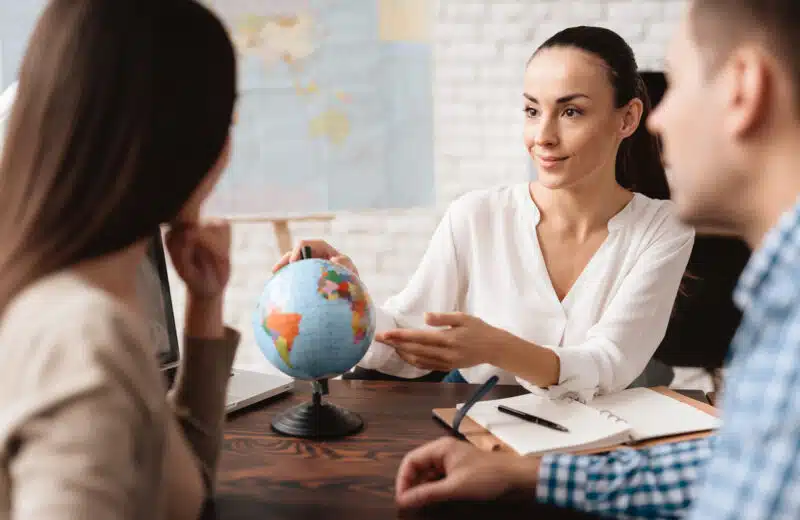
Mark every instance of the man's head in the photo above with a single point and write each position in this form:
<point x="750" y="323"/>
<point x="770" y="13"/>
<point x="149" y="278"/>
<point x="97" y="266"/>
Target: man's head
<point x="730" y="119"/>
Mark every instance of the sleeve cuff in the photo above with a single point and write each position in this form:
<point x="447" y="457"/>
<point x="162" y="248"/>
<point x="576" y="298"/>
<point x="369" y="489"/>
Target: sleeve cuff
<point x="230" y="340"/>
<point x="578" y="376"/>
<point x="204" y="370"/>
<point x="574" y="380"/>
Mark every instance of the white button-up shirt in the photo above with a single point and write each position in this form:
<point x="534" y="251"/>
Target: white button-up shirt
<point x="484" y="259"/>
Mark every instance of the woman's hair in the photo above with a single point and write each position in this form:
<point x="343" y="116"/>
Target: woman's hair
<point x="638" y="166"/>
<point x="122" y="109"/>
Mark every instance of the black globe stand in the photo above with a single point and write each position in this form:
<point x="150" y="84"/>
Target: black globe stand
<point x="316" y="420"/>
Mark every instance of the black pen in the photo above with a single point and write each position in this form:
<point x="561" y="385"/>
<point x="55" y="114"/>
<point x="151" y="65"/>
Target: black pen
<point x="531" y="418"/>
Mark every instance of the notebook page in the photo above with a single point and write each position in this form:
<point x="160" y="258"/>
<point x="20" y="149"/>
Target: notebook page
<point x="651" y="414"/>
<point x="585" y="424"/>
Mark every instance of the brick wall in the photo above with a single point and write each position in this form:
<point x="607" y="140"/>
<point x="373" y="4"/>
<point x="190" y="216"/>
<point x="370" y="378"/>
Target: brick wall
<point x="480" y="48"/>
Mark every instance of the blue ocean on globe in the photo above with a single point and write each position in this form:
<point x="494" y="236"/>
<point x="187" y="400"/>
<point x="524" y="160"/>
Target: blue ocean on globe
<point x="314" y="320"/>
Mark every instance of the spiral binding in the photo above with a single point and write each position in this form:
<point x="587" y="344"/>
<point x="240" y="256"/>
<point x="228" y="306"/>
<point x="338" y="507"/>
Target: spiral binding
<point x="612" y="416"/>
<point x="573" y="397"/>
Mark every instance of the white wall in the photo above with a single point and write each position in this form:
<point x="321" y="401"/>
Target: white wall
<point x="480" y="49"/>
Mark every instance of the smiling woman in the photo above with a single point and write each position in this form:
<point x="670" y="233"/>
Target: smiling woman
<point x="582" y="62"/>
<point x="566" y="283"/>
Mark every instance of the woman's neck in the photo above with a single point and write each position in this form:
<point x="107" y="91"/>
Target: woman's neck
<point x="116" y="273"/>
<point x="581" y="209"/>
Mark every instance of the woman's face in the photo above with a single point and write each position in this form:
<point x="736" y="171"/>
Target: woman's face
<point x="572" y="128"/>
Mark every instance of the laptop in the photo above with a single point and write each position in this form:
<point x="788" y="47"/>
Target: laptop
<point x="244" y="388"/>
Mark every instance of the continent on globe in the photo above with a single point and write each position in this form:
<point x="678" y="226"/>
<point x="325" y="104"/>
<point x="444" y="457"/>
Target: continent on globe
<point x="283" y="328"/>
<point x="333" y="285"/>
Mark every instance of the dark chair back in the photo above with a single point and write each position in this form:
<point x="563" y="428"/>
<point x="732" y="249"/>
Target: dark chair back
<point x="705" y="318"/>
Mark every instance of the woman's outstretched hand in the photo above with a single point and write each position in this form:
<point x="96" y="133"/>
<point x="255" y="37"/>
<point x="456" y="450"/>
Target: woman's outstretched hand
<point x="460" y="340"/>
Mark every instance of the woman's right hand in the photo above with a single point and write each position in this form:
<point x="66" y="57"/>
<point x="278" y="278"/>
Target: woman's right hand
<point x="319" y="249"/>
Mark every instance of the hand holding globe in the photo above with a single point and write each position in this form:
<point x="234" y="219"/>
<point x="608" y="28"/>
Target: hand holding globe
<point x="313" y="321"/>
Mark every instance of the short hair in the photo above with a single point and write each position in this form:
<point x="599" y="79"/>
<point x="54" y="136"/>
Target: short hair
<point x="719" y="25"/>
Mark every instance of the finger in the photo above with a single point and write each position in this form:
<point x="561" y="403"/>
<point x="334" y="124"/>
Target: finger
<point x="422" y="460"/>
<point x="283" y="262"/>
<point x="345" y="262"/>
<point x="426" y="363"/>
<point x="319" y="249"/>
<point x="422" y="351"/>
<point x="171" y="239"/>
<point x="174" y="239"/>
<point x="431" y="492"/>
<point x="205" y="268"/>
<point x="297" y="252"/>
<point x="215" y="236"/>
<point x="446" y="319"/>
<point x="423" y="337"/>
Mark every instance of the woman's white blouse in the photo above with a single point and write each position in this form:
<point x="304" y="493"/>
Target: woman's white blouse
<point x="484" y="259"/>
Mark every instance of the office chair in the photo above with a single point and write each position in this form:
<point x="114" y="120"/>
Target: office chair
<point x="705" y="318"/>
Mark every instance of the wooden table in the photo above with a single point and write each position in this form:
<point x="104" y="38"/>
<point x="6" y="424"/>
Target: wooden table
<point x="264" y="475"/>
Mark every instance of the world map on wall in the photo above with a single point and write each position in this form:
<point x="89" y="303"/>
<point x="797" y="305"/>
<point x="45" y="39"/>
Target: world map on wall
<point x="335" y="106"/>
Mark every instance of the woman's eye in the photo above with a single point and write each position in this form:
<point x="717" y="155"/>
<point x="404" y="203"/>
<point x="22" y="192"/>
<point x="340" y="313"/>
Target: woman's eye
<point x="531" y="112"/>
<point x="572" y="112"/>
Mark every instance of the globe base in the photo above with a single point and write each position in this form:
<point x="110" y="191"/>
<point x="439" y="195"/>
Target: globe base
<point x="315" y="420"/>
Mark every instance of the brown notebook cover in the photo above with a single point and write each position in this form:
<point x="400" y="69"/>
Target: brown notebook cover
<point x="483" y="439"/>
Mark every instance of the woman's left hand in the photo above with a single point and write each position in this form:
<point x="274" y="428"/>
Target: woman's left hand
<point x="463" y="341"/>
<point x="200" y="252"/>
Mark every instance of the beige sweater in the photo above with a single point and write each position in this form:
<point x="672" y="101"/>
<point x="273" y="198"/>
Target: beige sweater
<point x="83" y="410"/>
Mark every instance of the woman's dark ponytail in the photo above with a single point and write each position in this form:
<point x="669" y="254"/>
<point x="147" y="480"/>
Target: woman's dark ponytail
<point x="639" y="164"/>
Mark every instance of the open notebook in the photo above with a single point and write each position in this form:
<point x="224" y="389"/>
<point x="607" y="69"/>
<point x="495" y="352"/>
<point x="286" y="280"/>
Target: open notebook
<point x="630" y="416"/>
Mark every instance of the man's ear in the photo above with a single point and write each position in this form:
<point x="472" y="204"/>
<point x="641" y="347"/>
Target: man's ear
<point x="748" y="81"/>
<point x="631" y="117"/>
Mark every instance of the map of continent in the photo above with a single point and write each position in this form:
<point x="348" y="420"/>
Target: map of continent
<point x="335" y="106"/>
<point x="334" y="285"/>
<point x="283" y="328"/>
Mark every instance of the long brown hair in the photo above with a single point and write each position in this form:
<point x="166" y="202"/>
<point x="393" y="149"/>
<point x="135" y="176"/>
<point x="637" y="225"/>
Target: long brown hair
<point x="122" y="108"/>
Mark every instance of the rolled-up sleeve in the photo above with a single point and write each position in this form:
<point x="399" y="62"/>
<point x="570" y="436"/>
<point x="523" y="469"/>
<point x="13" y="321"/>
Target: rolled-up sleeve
<point x="618" y="347"/>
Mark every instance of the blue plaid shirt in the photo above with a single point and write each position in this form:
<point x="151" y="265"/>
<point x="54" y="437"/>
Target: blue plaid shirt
<point x="751" y="468"/>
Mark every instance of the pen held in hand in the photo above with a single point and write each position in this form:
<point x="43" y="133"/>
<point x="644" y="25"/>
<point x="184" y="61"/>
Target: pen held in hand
<point x="531" y="418"/>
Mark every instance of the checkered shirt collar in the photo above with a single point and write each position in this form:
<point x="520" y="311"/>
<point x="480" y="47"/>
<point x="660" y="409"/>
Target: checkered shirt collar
<point x="780" y="250"/>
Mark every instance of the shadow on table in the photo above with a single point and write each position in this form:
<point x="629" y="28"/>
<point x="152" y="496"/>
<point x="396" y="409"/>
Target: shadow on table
<point x="242" y="507"/>
<point x="510" y="508"/>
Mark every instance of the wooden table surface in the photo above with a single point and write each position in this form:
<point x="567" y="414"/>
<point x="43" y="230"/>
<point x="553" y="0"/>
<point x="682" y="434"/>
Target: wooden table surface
<point x="264" y="475"/>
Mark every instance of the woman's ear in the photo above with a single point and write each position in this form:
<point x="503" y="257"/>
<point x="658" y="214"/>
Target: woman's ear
<point x="631" y="117"/>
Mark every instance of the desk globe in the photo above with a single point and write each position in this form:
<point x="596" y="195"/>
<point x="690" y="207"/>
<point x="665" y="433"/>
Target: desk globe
<point x="313" y="321"/>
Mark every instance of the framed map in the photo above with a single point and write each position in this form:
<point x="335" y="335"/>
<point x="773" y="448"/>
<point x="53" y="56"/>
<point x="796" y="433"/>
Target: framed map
<point x="335" y="107"/>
